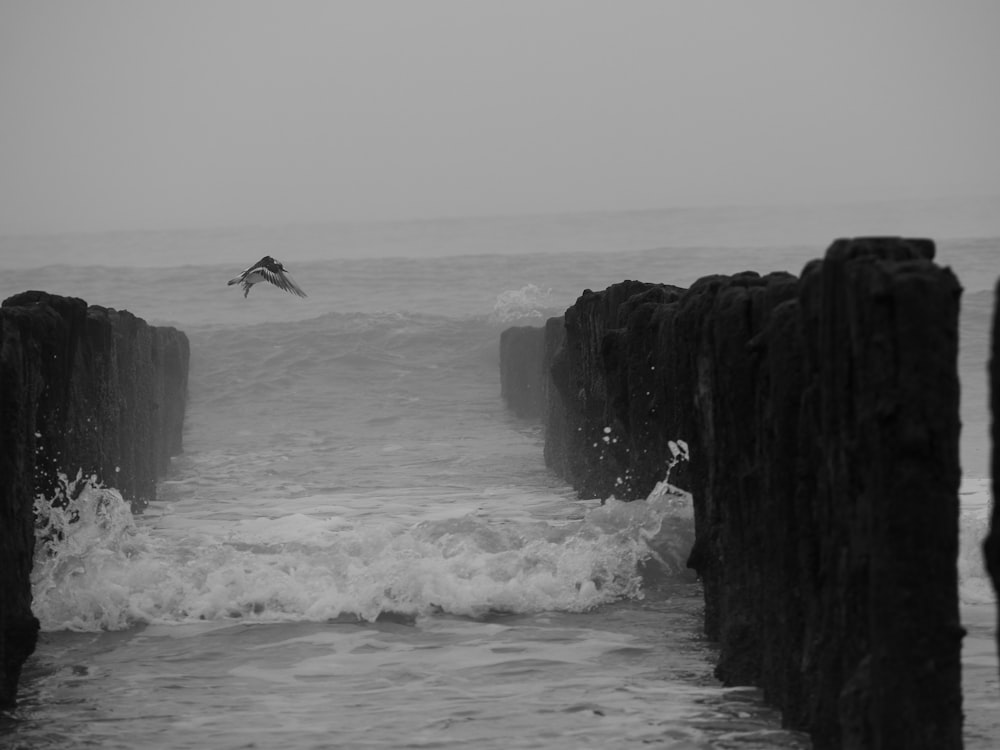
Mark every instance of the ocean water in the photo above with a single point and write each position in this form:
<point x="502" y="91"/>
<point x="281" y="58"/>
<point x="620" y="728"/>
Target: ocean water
<point x="359" y="547"/>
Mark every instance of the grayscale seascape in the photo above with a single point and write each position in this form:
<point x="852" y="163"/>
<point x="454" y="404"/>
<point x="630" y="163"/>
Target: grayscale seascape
<point x="359" y="546"/>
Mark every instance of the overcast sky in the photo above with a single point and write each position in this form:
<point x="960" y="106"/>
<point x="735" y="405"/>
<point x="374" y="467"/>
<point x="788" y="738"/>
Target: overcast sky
<point x="155" y="115"/>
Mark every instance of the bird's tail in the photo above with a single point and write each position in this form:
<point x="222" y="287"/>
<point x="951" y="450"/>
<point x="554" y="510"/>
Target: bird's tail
<point x="233" y="281"/>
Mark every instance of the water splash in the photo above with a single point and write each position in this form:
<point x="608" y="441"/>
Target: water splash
<point x="529" y="303"/>
<point x="79" y="533"/>
<point x="102" y="569"/>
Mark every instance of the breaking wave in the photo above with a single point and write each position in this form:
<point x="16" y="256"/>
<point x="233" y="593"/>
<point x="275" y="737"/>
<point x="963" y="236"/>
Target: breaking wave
<point x="98" y="567"/>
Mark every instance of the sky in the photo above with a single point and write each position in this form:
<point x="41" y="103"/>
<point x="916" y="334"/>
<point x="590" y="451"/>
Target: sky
<point x="135" y="114"/>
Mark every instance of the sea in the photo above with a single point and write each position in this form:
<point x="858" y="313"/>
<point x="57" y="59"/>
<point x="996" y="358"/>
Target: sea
<point x="361" y="548"/>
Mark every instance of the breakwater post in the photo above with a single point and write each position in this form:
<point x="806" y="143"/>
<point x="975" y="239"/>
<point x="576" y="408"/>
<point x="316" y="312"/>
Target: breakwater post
<point x="81" y="389"/>
<point x="821" y="414"/>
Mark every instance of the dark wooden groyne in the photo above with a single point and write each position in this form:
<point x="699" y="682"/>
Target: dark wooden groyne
<point x="81" y="389"/>
<point x="821" y="414"/>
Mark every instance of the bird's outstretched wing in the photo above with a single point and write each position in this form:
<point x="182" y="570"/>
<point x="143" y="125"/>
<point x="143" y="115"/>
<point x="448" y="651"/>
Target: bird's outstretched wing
<point x="281" y="280"/>
<point x="246" y="272"/>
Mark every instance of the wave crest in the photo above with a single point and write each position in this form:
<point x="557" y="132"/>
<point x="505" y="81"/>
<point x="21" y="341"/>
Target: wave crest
<point x="527" y="303"/>
<point x="106" y="571"/>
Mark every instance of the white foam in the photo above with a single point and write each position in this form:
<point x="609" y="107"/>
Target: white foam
<point x="529" y="303"/>
<point x="96" y="567"/>
<point x="109" y="572"/>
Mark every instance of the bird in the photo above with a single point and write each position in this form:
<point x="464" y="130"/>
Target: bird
<point x="267" y="269"/>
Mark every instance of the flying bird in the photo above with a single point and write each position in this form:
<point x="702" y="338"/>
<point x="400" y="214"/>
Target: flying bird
<point x="267" y="269"/>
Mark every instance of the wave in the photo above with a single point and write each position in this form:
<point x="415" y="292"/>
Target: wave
<point x="335" y="357"/>
<point x="529" y="304"/>
<point x="98" y="568"/>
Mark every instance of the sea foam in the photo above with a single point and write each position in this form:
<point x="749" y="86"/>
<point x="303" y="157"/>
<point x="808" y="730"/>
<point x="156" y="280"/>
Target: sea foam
<point x="97" y="567"/>
<point x="527" y="304"/>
